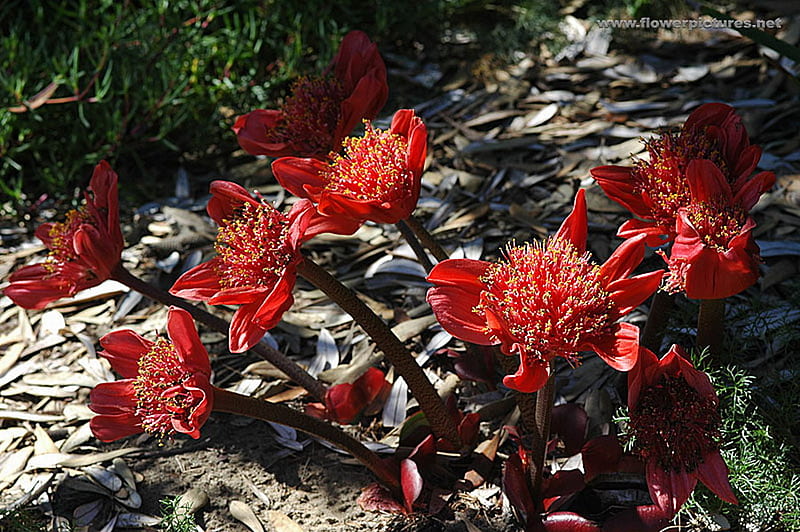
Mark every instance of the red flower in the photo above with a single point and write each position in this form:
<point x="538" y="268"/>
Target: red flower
<point x="377" y="178"/>
<point x="655" y="190"/>
<point x="258" y="249"/>
<point x="675" y="423"/>
<point x="714" y="255"/>
<point x="84" y="248"/>
<point x="320" y="112"/>
<point x="546" y="300"/>
<point x="165" y="387"/>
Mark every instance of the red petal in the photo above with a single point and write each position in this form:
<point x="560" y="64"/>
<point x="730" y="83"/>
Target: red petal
<point x="183" y="333"/>
<point x="114" y="398"/>
<point x="617" y="183"/>
<point x="714" y="474"/>
<point x="277" y="302"/>
<point x="365" y="101"/>
<point x="749" y="193"/>
<point x="656" y="234"/>
<point x="464" y="273"/>
<point x="201" y="283"/>
<point x="28" y="291"/>
<point x="302" y="177"/>
<point x="707" y="182"/>
<point x="623" y="260"/>
<point x="530" y="376"/>
<point x="110" y="428"/>
<point x="708" y="114"/>
<point x="456" y="293"/>
<point x="97" y="250"/>
<point x="244" y="332"/>
<point x="123" y="349"/>
<point x="628" y="294"/>
<point x="251" y="132"/>
<point x="226" y="198"/>
<point x="619" y="349"/>
<point x="575" y="226"/>
<point x="638" y="377"/>
<point x="669" y="490"/>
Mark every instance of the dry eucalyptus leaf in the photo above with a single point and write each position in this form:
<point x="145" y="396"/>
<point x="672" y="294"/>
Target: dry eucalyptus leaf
<point x="282" y="522"/>
<point x="246" y="515"/>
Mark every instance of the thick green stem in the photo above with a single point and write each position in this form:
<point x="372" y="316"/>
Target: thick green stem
<point x="710" y="325"/>
<point x="657" y="319"/>
<point x="276" y="358"/>
<point x="234" y="403"/>
<point x="544" y="412"/>
<point x="426" y="239"/>
<point x="415" y="244"/>
<point x="442" y="423"/>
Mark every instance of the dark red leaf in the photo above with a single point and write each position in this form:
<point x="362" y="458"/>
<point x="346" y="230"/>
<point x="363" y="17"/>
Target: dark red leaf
<point x="411" y="482"/>
<point x="568" y="522"/>
<point x="639" y="519"/>
<point x="376" y="498"/>
<point x="569" y="422"/>
<point x="515" y="486"/>
<point x="601" y="455"/>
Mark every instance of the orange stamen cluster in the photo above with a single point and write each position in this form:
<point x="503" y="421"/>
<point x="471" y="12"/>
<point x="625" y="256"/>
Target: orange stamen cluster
<point x="252" y="247"/>
<point x="62" y="235"/>
<point x="716" y="222"/>
<point x="311" y="114"/>
<point x="373" y="167"/>
<point x="160" y="394"/>
<point x="663" y="178"/>
<point x="550" y="297"/>
<point x="675" y="425"/>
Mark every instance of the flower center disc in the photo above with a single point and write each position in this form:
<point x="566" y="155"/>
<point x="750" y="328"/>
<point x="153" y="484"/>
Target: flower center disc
<point x="675" y="425"/>
<point x="373" y="167"/>
<point x="252" y="247"/>
<point x="160" y="394"/>
<point x="549" y="296"/>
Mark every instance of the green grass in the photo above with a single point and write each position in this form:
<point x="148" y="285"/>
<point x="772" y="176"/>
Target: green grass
<point x="176" y="517"/>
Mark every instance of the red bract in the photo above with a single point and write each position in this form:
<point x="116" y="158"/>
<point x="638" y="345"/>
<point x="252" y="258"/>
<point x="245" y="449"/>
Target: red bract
<point x="714" y="255"/>
<point x="258" y="249"/>
<point x="377" y="178"/>
<point x="546" y="299"/>
<point x="320" y="112"/>
<point x="165" y="387"/>
<point x="675" y="423"/>
<point x="84" y="248"/>
<point x="655" y="190"/>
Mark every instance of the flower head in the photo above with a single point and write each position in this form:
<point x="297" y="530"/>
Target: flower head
<point x="546" y="300"/>
<point x="714" y="254"/>
<point x="84" y="248"/>
<point x="320" y="112"/>
<point x="258" y="249"/>
<point x="655" y="190"/>
<point x="675" y="423"/>
<point x="376" y="178"/>
<point x="165" y="387"/>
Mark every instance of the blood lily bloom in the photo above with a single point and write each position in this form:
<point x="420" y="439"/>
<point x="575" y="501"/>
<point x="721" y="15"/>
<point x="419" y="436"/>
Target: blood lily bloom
<point x="84" y="249"/>
<point x="655" y="190"/>
<point x="675" y="423"/>
<point x="258" y="249"/>
<point x="320" y="112"/>
<point x="377" y="178"/>
<point x="546" y="300"/>
<point x="165" y="387"/>
<point x="714" y="255"/>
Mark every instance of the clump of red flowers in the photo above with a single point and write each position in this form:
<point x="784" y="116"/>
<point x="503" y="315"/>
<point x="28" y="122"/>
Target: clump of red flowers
<point x="84" y="249"/>
<point x="321" y="111"/>
<point x="165" y="387"/>
<point x="546" y="300"/>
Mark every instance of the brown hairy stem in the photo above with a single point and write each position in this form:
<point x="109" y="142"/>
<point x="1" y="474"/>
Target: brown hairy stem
<point x="234" y="403"/>
<point x="442" y="424"/>
<point x="415" y="244"/>
<point x="544" y="413"/>
<point x="273" y="356"/>
<point x="710" y="325"/>
<point x="657" y="318"/>
<point x="426" y="239"/>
